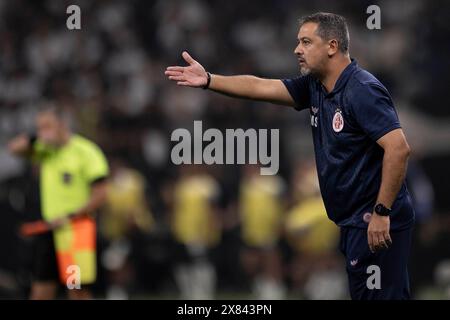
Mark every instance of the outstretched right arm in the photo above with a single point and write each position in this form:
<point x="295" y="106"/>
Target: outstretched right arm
<point x="245" y="86"/>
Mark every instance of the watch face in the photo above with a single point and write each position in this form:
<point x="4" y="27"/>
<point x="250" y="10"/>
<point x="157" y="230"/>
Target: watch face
<point x="382" y="210"/>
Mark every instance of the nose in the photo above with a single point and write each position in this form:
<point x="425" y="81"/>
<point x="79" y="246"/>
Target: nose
<point x="298" y="50"/>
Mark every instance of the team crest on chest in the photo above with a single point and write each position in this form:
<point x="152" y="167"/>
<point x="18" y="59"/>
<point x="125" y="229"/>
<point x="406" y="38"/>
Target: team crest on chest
<point x="338" y="120"/>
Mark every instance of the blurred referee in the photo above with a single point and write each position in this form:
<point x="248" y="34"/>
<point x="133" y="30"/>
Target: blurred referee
<point x="72" y="188"/>
<point x="361" y="151"/>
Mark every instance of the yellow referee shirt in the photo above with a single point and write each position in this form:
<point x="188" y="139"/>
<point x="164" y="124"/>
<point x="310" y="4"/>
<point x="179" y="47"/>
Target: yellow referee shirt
<point x="65" y="184"/>
<point x="67" y="174"/>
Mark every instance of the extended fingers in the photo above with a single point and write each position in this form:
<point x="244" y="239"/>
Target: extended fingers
<point x="175" y="68"/>
<point x="177" y="78"/>
<point x="187" y="57"/>
<point x="173" y="73"/>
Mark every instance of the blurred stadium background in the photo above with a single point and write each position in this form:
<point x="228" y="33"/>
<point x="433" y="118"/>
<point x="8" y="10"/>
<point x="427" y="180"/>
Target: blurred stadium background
<point x="214" y="231"/>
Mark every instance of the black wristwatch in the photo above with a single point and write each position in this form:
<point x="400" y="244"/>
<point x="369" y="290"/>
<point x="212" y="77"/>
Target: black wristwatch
<point x="208" y="81"/>
<point x="381" y="210"/>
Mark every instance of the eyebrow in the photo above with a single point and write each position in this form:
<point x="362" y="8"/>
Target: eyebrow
<point x="303" y="38"/>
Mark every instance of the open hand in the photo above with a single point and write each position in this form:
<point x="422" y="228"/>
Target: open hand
<point x="193" y="75"/>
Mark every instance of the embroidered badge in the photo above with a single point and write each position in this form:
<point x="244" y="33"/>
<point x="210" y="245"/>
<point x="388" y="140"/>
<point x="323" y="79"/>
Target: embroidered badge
<point x="338" y="121"/>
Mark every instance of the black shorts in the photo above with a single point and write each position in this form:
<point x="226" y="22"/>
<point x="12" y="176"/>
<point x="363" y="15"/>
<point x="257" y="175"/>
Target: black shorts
<point x="44" y="265"/>
<point x="391" y="265"/>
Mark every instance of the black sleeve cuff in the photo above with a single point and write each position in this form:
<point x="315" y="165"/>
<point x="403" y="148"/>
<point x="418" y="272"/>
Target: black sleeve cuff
<point x="33" y="139"/>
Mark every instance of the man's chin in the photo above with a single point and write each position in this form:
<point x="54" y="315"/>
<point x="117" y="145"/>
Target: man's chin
<point x="305" y="71"/>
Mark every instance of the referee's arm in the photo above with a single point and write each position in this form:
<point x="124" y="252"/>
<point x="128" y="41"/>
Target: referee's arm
<point x="21" y="145"/>
<point x="96" y="200"/>
<point x="244" y="86"/>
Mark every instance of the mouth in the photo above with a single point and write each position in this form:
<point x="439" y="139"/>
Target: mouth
<point x="301" y="61"/>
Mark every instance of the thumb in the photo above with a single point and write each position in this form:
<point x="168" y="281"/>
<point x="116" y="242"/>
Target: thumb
<point x="186" y="56"/>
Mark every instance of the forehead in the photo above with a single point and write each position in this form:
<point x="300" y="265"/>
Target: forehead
<point x="46" y="116"/>
<point x="308" y="29"/>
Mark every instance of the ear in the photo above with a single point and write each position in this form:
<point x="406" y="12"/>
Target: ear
<point x="333" y="47"/>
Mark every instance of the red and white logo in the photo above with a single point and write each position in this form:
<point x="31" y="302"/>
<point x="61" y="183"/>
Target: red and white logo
<point x="338" y="121"/>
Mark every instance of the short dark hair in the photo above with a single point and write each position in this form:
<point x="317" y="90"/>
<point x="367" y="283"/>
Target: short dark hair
<point x="61" y="113"/>
<point x="50" y="107"/>
<point x="330" y="26"/>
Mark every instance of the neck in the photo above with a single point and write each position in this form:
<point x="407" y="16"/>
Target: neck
<point x="332" y="74"/>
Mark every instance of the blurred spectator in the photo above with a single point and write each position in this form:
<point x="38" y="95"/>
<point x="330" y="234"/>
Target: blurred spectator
<point x="196" y="227"/>
<point x="315" y="269"/>
<point x="261" y="214"/>
<point x="125" y="212"/>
